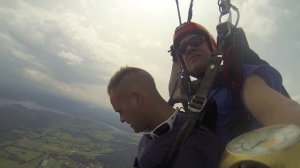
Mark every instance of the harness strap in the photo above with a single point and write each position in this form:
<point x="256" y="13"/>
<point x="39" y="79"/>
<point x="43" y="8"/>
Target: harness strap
<point x="178" y="11"/>
<point x="136" y="163"/>
<point x="181" y="137"/>
<point x="190" y="11"/>
<point x="199" y="100"/>
<point x="196" y="109"/>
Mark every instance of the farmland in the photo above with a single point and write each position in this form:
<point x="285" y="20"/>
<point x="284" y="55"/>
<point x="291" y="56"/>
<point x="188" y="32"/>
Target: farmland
<point x="31" y="138"/>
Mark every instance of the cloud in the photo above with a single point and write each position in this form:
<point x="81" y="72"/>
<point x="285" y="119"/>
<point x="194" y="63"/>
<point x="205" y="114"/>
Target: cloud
<point x="61" y="50"/>
<point x="70" y="57"/>
<point x="72" y="48"/>
<point x="81" y="92"/>
<point x="261" y="18"/>
<point x="297" y="45"/>
<point x="296" y="98"/>
<point x="57" y="39"/>
<point x="57" y="49"/>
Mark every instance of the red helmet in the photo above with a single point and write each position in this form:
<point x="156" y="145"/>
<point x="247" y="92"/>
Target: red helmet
<point x="192" y="28"/>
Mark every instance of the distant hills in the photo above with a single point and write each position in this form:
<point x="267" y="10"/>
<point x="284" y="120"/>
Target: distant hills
<point x="38" y="138"/>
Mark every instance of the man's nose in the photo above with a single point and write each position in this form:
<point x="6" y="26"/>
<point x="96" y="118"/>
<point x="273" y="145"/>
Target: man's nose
<point x="190" y="49"/>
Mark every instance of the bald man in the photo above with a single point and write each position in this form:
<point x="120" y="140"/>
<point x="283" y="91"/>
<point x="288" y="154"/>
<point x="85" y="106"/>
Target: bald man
<point x="133" y="94"/>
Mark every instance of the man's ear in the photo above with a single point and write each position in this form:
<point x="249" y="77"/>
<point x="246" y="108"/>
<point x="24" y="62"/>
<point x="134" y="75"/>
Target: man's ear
<point x="138" y="98"/>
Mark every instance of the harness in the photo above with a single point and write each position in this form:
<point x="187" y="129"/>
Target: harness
<point x="198" y="102"/>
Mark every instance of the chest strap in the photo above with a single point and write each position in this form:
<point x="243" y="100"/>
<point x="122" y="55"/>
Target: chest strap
<point x="195" y="109"/>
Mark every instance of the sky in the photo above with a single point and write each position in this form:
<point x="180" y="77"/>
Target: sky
<point x="56" y="53"/>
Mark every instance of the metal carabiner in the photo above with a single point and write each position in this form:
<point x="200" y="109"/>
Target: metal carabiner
<point x="225" y="8"/>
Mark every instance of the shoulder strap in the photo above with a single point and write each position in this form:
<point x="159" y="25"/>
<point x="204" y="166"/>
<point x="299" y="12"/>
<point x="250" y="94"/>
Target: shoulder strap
<point x="181" y="137"/>
<point x="195" y="110"/>
<point x="136" y="163"/>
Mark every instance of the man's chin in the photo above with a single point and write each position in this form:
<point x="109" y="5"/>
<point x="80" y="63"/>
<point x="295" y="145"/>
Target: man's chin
<point x="197" y="72"/>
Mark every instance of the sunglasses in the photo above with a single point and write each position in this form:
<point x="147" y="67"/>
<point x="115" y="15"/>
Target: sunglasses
<point x="162" y="128"/>
<point x="193" y="42"/>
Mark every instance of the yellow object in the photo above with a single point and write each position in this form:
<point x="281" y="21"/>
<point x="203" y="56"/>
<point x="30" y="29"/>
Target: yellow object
<point x="275" y="146"/>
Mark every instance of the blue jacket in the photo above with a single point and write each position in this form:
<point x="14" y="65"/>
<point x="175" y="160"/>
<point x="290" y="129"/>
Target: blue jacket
<point x="201" y="150"/>
<point x="228" y="118"/>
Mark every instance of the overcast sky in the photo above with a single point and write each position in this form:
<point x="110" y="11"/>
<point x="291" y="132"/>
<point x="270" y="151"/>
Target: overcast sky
<point x="54" y="50"/>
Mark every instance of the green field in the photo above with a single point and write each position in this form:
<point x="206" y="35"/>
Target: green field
<point x="62" y="142"/>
